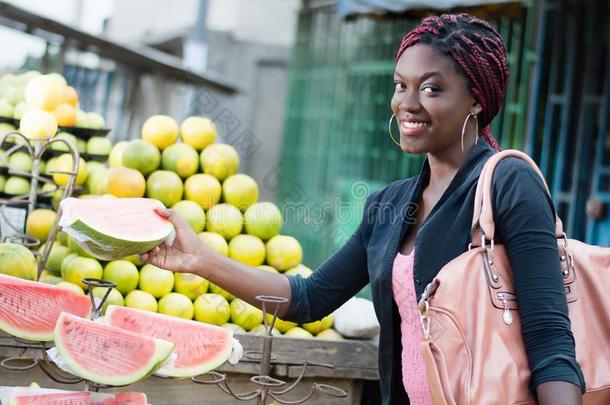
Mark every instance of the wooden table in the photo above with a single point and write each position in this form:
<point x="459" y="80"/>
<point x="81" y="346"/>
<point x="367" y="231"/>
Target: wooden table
<point x="355" y="362"/>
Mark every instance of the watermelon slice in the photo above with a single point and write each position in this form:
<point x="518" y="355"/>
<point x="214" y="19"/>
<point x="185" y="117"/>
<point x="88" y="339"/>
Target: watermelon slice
<point x="111" y="228"/>
<point x="42" y="396"/>
<point x="105" y="354"/>
<point x="29" y="310"/>
<point x="200" y="347"/>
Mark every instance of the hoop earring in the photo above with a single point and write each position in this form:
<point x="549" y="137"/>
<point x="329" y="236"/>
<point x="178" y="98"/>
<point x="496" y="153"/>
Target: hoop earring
<point x="476" y="123"/>
<point x="390" y="129"/>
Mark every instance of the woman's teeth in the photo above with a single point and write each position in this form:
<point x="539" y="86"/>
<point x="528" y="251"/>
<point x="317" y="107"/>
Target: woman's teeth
<point x="407" y="124"/>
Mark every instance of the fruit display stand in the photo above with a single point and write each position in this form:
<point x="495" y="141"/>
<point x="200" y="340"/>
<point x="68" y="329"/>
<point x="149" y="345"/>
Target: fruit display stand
<point x="28" y="202"/>
<point x="335" y="369"/>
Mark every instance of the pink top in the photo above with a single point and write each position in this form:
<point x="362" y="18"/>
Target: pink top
<point x="413" y="367"/>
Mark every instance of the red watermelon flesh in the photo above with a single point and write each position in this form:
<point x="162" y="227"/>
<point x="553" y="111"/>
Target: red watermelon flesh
<point x="29" y="309"/>
<point x="200" y="347"/>
<point x="41" y="396"/>
<point x="105" y="354"/>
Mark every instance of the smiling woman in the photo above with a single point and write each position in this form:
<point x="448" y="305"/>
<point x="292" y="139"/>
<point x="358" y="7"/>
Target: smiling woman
<point x="450" y="79"/>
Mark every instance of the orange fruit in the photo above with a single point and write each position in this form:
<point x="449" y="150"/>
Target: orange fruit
<point x="126" y="182"/>
<point x="160" y="130"/>
<point x="65" y="114"/>
<point x="70" y="96"/>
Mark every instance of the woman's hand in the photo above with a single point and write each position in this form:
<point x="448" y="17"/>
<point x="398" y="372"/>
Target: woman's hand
<point x="184" y="255"/>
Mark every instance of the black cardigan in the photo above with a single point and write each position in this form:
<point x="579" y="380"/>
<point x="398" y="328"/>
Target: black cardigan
<point x="524" y="216"/>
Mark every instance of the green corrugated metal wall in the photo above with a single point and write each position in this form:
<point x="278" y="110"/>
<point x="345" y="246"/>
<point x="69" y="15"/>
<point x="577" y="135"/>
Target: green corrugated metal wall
<point x="336" y="147"/>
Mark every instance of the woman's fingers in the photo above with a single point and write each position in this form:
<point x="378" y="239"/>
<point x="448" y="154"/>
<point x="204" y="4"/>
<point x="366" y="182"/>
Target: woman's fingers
<point x="145" y="257"/>
<point x="176" y="220"/>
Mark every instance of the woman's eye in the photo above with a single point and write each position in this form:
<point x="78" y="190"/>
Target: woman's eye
<point x="430" y="89"/>
<point x="400" y="86"/>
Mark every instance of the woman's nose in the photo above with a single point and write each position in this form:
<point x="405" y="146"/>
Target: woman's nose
<point x="409" y="102"/>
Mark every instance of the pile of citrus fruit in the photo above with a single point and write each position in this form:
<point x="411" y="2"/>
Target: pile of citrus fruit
<point x="186" y="169"/>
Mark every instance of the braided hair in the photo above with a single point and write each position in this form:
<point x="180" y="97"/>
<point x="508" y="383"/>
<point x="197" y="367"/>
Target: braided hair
<point x="478" y="52"/>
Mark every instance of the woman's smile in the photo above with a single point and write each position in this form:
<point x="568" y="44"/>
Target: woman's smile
<point x="413" y="127"/>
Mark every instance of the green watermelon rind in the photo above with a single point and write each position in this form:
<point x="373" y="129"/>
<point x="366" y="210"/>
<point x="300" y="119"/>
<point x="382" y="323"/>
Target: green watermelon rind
<point x="36" y="337"/>
<point x="163" y="349"/>
<point x="169" y="371"/>
<point x="107" y="247"/>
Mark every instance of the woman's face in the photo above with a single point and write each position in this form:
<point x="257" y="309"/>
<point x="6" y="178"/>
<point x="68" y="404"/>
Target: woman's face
<point x="431" y="101"/>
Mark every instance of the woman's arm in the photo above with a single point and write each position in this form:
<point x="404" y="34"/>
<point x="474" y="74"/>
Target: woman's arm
<point x="337" y="280"/>
<point x="558" y="393"/>
<point x="525" y="219"/>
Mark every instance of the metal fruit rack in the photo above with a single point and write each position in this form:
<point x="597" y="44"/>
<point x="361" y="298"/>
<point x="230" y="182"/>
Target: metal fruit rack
<point x="35" y="148"/>
<point x="267" y="387"/>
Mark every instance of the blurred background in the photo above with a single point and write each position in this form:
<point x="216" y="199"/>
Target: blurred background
<point x="301" y="89"/>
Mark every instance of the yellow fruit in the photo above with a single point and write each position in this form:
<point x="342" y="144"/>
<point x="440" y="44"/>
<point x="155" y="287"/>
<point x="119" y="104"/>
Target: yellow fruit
<point x="245" y="315"/>
<point x="97" y="181"/>
<point x="190" y="285"/>
<point x="141" y="300"/>
<point x="262" y="330"/>
<point x="16" y="186"/>
<point x="82" y="119"/>
<point x="198" y="132"/>
<point x="38" y="124"/>
<point x="80" y="268"/>
<point x="123" y="274"/>
<point x="156" y="281"/>
<point x="70" y="286"/>
<point x="268" y="268"/>
<point x="225" y="219"/>
<point x="215" y="241"/>
<point x="233" y="327"/>
<point x="192" y="213"/>
<point x="160" y="130"/>
<point x="281" y="325"/>
<point x="318" y="326"/>
<point x="329" y="334"/>
<point x="177" y="304"/>
<point x="114" y="297"/>
<point x="263" y="220"/>
<point x="220" y="160"/>
<point x="214" y="289"/>
<point x="125" y="182"/>
<point x="58" y="145"/>
<point x="284" y="252"/>
<point x="17" y="260"/>
<point x="65" y="114"/>
<point x="64" y="164"/>
<point x="99" y="145"/>
<point x="247" y="249"/>
<point x="142" y="156"/>
<point x="39" y="224"/>
<point x="96" y="121"/>
<point x="70" y="96"/>
<point x="299" y="269"/>
<point x="297" y="332"/>
<point x="204" y="189"/>
<point x="164" y="186"/>
<point x="115" y="159"/>
<point x="20" y="110"/>
<point x="240" y="190"/>
<point x="56" y="256"/>
<point x="44" y="92"/>
<point x="21" y="161"/>
<point x="181" y="159"/>
<point x="213" y="309"/>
